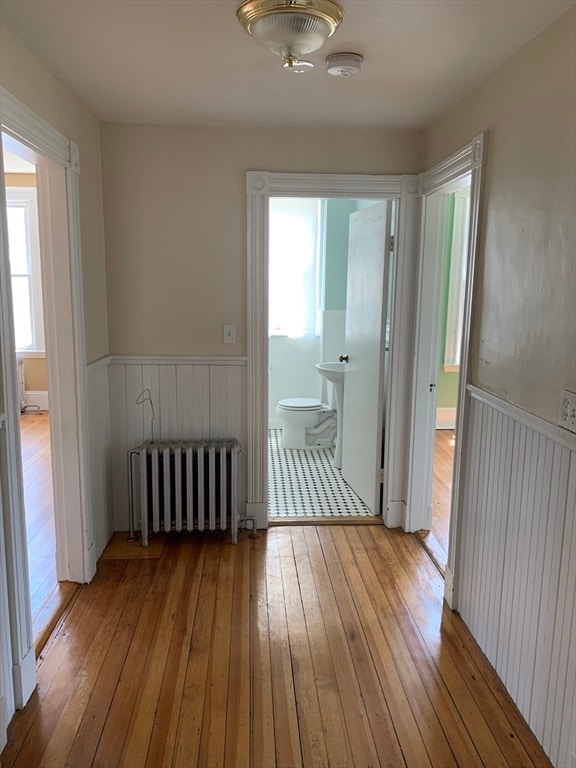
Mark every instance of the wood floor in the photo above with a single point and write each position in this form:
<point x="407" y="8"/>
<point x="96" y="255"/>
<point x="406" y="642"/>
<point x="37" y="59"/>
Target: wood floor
<point x="305" y="646"/>
<point x="48" y="598"/>
<point x="436" y="540"/>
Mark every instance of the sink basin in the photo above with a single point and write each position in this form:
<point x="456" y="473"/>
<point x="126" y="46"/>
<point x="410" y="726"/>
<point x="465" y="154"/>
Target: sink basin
<point x="334" y="372"/>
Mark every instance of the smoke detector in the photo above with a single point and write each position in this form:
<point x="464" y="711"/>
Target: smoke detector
<point x="344" y="64"/>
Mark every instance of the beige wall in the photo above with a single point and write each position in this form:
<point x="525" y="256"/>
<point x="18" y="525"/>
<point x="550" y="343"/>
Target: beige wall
<point x="24" y="180"/>
<point x="27" y="79"/>
<point x="175" y="220"/>
<point x="524" y="327"/>
<point x="35" y="376"/>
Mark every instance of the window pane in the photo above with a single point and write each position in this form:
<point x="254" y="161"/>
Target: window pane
<point x="293" y="273"/>
<point x="22" y="312"/>
<point x="18" y="240"/>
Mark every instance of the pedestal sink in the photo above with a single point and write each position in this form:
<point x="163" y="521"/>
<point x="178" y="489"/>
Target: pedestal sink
<point x="334" y="372"/>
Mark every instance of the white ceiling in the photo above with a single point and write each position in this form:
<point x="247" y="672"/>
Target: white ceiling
<point x="190" y="62"/>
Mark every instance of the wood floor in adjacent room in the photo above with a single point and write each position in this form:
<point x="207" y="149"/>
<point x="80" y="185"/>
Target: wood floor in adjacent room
<point x="306" y="646"/>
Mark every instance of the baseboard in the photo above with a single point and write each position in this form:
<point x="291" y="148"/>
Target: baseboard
<point x="257" y="511"/>
<point x="37" y="399"/>
<point x="445" y="418"/>
<point x="450" y="588"/>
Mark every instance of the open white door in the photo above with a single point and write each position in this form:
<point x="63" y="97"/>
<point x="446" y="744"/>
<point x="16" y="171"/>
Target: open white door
<point x="369" y="268"/>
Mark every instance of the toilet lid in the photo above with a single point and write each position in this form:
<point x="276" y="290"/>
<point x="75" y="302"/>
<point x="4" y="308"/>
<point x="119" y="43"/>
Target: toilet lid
<point x="300" y="404"/>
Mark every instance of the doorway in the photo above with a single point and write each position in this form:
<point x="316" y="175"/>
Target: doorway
<point x="25" y="261"/>
<point x="330" y="279"/>
<point x="455" y="218"/>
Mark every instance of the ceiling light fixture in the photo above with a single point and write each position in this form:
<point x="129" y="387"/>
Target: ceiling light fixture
<point x="291" y="28"/>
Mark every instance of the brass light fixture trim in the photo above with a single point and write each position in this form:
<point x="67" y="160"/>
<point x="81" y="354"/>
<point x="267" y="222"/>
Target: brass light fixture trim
<point x="290" y="28"/>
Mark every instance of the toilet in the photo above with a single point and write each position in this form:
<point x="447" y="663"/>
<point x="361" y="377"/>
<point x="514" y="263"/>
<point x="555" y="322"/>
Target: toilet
<point x="306" y="423"/>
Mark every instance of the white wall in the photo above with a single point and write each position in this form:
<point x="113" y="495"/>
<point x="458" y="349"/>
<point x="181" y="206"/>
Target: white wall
<point x="524" y="324"/>
<point x="516" y="526"/>
<point x="26" y="78"/>
<point x="175" y="220"/>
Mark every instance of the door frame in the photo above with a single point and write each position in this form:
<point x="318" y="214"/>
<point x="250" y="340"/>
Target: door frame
<point x="468" y="161"/>
<point x="58" y="168"/>
<point x="260" y="186"/>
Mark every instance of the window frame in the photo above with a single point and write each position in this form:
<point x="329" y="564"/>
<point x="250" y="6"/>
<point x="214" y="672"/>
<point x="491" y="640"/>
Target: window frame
<point x="27" y="198"/>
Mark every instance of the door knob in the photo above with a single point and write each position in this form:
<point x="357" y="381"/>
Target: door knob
<point x="343" y="358"/>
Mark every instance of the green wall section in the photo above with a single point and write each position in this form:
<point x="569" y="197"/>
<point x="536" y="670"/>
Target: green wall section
<point x="337" y="228"/>
<point x="447" y="395"/>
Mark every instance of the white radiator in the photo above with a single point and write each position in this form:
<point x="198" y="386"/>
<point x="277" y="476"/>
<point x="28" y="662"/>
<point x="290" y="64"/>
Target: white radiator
<point x="21" y="387"/>
<point x="186" y="485"/>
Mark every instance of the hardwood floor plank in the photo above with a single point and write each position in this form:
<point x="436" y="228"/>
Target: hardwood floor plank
<point x="383" y="732"/>
<point x="60" y="663"/>
<point x="140" y="728"/>
<point x="286" y="726"/>
<point x="357" y="723"/>
<point x="89" y="731"/>
<point x="323" y="645"/>
<point x="405" y="721"/>
<point x="63" y="735"/>
<point x="163" y="741"/>
<point x="312" y="740"/>
<point x="331" y="707"/>
<point x="454" y="660"/>
<point x="263" y="751"/>
<point x="213" y="735"/>
<point x="438" y="693"/>
<point x="237" y="754"/>
<point x="195" y="684"/>
<point x="390" y="617"/>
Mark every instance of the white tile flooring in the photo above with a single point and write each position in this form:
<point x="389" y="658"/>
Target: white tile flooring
<point x="306" y="484"/>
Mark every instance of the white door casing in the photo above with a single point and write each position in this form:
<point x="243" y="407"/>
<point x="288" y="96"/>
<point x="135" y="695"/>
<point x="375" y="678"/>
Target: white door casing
<point x="469" y="160"/>
<point x="260" y="186"/>
<point x="56" y="158"/>
<point x="369" y="258"/>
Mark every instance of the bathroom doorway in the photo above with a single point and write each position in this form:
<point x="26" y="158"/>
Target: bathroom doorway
<point x="308" y="285"/>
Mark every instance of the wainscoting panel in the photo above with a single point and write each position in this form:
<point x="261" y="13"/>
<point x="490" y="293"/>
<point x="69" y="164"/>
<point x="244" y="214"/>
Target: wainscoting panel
<point x="98" y="408"/>
<point x="518" y="561"/>
<point x="178" y="398"/>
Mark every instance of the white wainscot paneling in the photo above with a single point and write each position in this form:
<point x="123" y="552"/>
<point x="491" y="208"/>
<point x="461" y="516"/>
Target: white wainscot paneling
<point x="99" y="439"/>
<point x="517" y="562"/>
<point x="190" y="398"/>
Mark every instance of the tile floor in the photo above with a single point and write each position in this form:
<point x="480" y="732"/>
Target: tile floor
<point x="305" y="484"/>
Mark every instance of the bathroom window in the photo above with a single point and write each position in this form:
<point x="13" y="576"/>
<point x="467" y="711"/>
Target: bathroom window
<point x="24" y="253"/>
<point x="295" y="246"/>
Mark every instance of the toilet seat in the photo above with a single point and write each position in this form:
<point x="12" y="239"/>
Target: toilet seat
<point x="300" y="404"/>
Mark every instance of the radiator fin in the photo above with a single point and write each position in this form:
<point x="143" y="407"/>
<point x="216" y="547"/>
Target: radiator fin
<point x="187" y="485"/>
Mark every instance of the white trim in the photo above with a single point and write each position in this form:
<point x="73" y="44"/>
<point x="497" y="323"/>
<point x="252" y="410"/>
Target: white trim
<point x="449" y="588"/>
<point x="101" y="362"/>
<point x="31" y="129"/>
<point x="461" y="162"/>
<point x="179" y="360"/>
<point x="445" y="418"/>
<point x="561" y="436"/>
<point x="260" y="186"/>
<point x="19" y="628"/>
<point x="39" y="399"/>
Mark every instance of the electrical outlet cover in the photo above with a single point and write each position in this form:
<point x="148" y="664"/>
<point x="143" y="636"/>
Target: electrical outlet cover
<point x="567" y="417"/>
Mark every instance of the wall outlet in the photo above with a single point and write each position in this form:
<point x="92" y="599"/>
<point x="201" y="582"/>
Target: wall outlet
<point x="229" y="333"/>
<point x="567" y="418"/>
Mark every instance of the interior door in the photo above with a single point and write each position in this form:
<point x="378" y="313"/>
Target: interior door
<point x="369" y="266"/>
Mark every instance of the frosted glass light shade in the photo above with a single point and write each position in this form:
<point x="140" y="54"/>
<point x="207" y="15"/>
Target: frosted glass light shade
<point x="290" y="28"/>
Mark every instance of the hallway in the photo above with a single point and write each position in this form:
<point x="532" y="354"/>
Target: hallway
<point x="305" y="646"/>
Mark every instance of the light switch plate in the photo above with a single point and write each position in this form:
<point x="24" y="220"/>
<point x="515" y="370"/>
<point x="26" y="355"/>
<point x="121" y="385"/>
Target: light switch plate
<point x="229" y="333"/>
